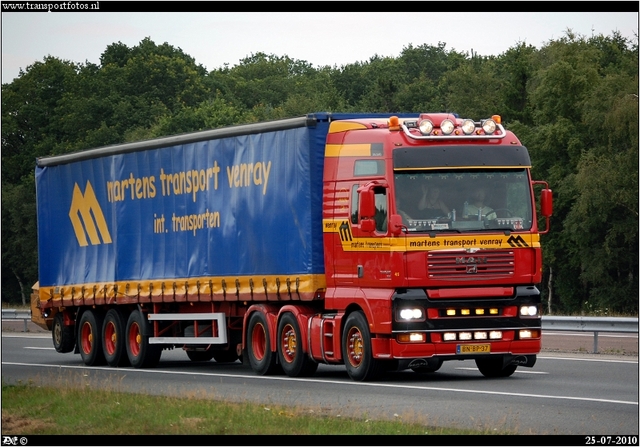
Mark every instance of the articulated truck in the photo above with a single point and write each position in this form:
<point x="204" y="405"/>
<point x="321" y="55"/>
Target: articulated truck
<point x="381" y="242"/>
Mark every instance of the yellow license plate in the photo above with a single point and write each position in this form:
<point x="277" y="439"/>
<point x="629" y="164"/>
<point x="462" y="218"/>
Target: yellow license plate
<point x="473" y="349"/>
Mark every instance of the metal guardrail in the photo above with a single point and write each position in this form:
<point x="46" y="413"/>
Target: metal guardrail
<point x="549" y="323"/>
<point x="591" y="324"/>
<point x="14" y="314"/>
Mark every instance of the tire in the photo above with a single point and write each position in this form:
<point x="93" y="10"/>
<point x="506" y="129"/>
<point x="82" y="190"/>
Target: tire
<point x="140" y="352"/>
<point x="90" y="338"/>
<point x="200" y="356"/>
<point x="261" y="358"/>
<point x="293" y="360"/>
<point x="356" y="349"/>
<point x="432" y="366"/>
<point x="114" y="339"/>
<point x="493" y="367"/>
<point x="63" y="338"/>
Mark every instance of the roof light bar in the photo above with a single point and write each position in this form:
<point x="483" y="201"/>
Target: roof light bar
<point x="455" y="128"/>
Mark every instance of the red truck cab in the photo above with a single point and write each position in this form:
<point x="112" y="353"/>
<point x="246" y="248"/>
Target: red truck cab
<point x="433" y="273"/>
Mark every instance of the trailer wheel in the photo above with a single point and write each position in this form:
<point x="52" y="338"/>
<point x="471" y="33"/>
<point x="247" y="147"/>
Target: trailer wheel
<point x="294" y="361"/>
<point x="63" y="339"/>
<point x="113" y="338"/>
<point x="356" y="348"/>
<point x="261" y="358"/>
<point x="141" y="353"/>
<point x="493" y="367"/>
<point x="89" y="338"/>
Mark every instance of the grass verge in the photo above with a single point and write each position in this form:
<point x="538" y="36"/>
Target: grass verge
<point x="29" y="409"/>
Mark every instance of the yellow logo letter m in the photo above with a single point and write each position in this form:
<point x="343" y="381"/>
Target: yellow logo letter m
<point x="87" y="207"/>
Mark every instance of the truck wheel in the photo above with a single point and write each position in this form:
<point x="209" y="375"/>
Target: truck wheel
<point x="492" y="367"/>
<point x="89" y="338"/>
<point x="356" y="349"/>
<point x="294" y="361"/>
<point x="141" y="353"/>
<point x="113" y="338"/>
<point x="261" y="357"/>
<point x="63" y="339"/>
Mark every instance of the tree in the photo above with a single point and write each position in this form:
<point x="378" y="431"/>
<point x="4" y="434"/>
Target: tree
<point x="472" y="89"/>
<point x="19" y="242"/>
<point x="30" y="124"/>
<point x="585" y="144"/>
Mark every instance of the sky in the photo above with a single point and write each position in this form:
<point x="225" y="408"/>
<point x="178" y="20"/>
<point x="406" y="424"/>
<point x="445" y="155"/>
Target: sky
<point x="335" y="39"/>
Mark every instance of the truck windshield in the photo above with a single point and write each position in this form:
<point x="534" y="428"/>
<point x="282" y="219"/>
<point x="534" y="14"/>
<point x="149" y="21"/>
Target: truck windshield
<point x="464" y="200"/>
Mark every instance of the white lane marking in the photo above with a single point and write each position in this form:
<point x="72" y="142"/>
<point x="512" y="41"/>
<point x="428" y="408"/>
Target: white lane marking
<point x="517" y="371"/>
<point x="579" y="359"/>
<point x="348" y="383"/>
<point x="36" y="348"/>
<point x="48" y="337"/>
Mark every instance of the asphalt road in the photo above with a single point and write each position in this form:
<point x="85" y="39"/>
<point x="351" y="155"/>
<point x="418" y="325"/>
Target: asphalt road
<point x="568" y="392"/>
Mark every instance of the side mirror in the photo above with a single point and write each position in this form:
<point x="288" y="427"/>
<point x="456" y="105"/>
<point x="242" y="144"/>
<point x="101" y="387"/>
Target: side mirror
<point x="546" y="202"/>
<point x="395" y="224"/>
<point x="367" y="204"/>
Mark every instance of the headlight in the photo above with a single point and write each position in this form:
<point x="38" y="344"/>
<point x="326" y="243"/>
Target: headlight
<point x="411" y="314"/>
<point x="426" y="127"/>
<point x="528" y="333"/>
<point x="528" y="311"/>
<point x="449" y="336"/>
<point x="489" y="126"/>
<point x="525" y="334"/>
<point x="413" y="337"/>
<point x="468" y="126"/>
<point x="447" y="126"/>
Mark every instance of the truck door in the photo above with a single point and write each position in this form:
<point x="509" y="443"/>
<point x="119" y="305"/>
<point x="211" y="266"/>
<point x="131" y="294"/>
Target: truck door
<point x="379" y="255"/>
<point x="343" y="261"/>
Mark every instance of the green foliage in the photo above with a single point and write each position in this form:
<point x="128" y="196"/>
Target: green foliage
<point x="19" y="247"/>
<point x="573" y="103"/>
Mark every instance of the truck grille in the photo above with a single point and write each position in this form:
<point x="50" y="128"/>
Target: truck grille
<point x="468" y="266"/>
